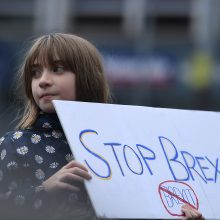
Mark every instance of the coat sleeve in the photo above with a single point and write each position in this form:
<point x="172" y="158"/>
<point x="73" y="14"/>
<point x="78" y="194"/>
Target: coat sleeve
<point x="20" y="197"/>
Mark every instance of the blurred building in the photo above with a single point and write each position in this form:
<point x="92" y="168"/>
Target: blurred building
<point x="148" y="45"/>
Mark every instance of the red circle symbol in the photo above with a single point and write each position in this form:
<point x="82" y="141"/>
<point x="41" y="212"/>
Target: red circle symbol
<point x="175" y="194"/>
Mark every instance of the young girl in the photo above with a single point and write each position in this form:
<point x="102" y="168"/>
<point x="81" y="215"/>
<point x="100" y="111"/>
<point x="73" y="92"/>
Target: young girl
<point x="38" y="177"/>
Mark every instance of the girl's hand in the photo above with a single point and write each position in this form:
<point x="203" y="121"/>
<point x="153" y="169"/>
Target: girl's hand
<point x="67" y="178"/>
<point x="191" y="213"/>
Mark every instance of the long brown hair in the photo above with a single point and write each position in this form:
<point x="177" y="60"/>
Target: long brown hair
<point x="78" y="55"/>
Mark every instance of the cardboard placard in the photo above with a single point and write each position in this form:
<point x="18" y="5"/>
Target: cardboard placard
<point x="145" y="162"/>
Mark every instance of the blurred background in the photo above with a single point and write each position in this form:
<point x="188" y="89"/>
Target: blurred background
<point x="159" y="53"/>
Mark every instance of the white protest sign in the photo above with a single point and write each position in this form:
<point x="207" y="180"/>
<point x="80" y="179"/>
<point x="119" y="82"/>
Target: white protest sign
<point x="145" y="162"/>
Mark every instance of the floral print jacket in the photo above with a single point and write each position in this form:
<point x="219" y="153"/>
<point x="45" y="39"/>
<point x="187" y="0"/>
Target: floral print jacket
<point x="27" y="158"/>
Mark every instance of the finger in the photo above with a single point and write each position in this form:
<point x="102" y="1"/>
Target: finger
<point x="194" y="211"/>
<point x="197" y="213"/>
<point x="186" y="206"/>
<point x="67" y="186"/>
<point x="191" y="213"/>
<point x="71" y="178"/>
<point x="74" y="163"/>
<point x="187" y="212"/>
<point x="189" y="207"/>
<point x="80" y="172"/>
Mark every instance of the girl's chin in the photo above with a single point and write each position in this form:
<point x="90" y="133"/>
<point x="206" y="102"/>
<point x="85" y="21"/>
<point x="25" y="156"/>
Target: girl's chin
<point x="48" y="108"/>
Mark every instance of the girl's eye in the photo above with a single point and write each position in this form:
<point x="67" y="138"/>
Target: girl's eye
<point x="58" y="69"/>
<point x="35" y="73"/>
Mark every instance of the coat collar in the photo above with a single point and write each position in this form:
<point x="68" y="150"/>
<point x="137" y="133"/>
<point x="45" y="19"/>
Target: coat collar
<point x="47" y="121"/>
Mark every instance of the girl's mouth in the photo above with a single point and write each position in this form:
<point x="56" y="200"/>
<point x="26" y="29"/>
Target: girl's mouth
<point x="46" y="97"/>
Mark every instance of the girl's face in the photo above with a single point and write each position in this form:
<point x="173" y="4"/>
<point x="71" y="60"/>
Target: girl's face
<point x="52" y="83"/>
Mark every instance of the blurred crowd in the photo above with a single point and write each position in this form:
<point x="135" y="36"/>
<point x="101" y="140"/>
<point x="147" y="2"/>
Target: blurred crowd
<point x="160" y="53"/>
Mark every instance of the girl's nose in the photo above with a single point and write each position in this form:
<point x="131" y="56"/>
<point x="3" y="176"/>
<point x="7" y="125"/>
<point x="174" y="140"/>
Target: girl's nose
<point x="45" y="79"/>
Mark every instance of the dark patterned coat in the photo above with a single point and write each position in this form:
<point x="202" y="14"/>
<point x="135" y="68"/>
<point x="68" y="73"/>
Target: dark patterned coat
<point x="29" y="157"/>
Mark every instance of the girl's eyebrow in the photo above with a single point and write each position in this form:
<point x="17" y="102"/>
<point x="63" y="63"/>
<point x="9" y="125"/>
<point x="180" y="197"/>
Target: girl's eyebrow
<point x="57" y="61"/>
<point x="35" y="65"/>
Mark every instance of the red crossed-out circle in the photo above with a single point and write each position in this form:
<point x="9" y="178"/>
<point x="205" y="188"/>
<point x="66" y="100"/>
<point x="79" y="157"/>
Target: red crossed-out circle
<point x="177" y="184"/>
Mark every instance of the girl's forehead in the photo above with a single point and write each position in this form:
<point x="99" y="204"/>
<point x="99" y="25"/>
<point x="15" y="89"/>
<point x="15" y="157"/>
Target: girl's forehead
<point x="47" y="55"/>
<point x="46" y="62"/>
<point x="46" y="59"/>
